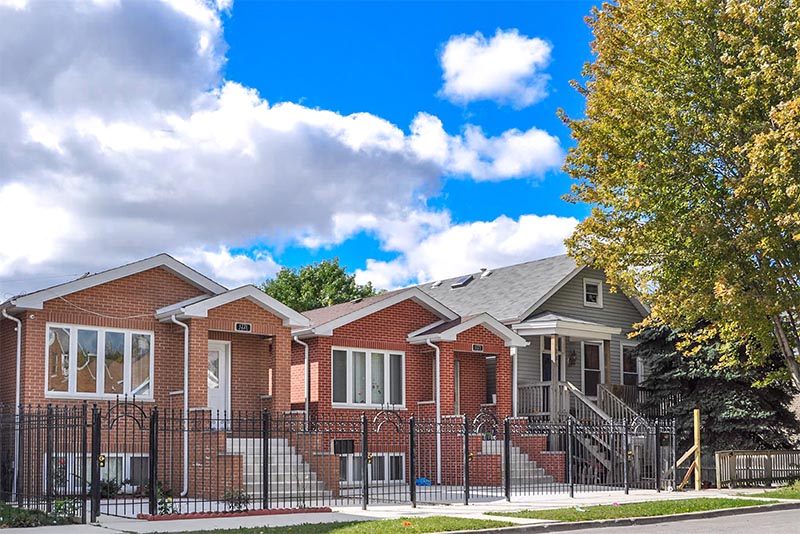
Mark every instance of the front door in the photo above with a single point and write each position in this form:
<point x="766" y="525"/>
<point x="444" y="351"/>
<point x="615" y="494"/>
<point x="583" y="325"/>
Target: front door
<point x="592" y="367"/>
<point x="219" y="377"/>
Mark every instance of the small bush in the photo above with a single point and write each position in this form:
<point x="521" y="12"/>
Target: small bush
<point x="236" y="500"/>
<point x="12" y="517"/>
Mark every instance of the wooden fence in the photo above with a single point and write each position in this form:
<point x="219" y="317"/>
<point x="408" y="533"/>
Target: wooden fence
<point x="756" y="468"/>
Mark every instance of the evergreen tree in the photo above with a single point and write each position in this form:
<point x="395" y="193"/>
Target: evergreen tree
<point x="741" y="405"/>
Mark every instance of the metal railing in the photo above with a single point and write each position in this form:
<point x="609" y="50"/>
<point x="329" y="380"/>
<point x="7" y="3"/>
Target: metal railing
<point x="756" y="468"/>
<point x="615" y="407"/>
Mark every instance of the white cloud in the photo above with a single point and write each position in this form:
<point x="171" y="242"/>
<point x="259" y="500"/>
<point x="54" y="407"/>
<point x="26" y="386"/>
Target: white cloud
<point x="231" y="270"/>
<point x="506" y="68"/>
<point x="119" y="139"/>
<point x="463" y="248"/>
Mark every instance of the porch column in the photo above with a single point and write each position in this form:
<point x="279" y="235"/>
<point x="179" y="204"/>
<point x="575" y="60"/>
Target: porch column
<point x="282" y="372"/>
<point x="607" y="362"/>
<point x="504" y="371"/>
<point x="198" y="363"/>
<point x="555" y="396"/>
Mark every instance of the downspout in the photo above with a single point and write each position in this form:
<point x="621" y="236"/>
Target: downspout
<point x="17" y="398"/>
<point x="438" y="412"/>
<point x="514" y="379"/>
<point x="308" y="375"/>
<point x="185" y="327"/>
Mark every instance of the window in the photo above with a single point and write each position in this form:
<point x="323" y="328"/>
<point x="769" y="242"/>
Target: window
<point x="363" y="377"/>
<point x="631" y="366"/>
<point x="383" y="469"/>
<point x="592" y="293"/>
<point x="92" y="362"/>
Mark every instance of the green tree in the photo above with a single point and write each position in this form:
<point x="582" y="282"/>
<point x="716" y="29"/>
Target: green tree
<point x="735" y="415"/>
<point x="315" y="286"/>
<point x="689" y="153"/>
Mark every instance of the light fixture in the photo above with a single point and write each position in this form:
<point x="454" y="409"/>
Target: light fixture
<point x="572" y="358"/>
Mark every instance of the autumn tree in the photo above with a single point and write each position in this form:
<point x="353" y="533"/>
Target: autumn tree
<point x="315" y="286"/>
<point x="689" y="153"/>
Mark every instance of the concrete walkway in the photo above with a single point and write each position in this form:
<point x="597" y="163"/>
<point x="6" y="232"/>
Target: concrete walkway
<point x="114" y="525"/>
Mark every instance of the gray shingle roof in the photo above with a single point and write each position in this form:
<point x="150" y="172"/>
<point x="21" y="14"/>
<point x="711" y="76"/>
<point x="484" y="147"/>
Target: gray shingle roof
<point x="507" y="292"/>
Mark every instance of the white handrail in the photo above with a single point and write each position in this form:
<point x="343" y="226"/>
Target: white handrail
<point x="578" y="394"/>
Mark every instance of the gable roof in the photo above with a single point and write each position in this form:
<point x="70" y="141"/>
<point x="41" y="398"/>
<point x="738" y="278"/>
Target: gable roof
<point x="448" y="331"/>
<point x="199" y="306"/>
<point x="507" y="293"/>
<point x="325" y="320"/>
<point x="36" y="299"/>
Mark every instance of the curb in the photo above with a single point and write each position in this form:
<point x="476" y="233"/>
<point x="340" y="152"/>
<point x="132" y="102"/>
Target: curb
<point x="559" y="526"/>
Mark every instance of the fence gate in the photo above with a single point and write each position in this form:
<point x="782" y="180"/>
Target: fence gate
<point x="121" y="460"/>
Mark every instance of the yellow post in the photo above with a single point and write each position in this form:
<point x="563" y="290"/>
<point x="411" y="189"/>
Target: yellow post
<point x="698" y="477"/>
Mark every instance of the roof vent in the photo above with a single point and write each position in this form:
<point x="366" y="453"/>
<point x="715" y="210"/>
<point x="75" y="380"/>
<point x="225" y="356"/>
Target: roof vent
<point x="436" y="284"/>
<point x="485" y="273"/>
<point x="461" y="282"/>
<point x="356" y="300"/>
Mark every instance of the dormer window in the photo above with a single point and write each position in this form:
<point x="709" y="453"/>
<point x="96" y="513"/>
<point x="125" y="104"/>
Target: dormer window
<point x="592" y="293"/>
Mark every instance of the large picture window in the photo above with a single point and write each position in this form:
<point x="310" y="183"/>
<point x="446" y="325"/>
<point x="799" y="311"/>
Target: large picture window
<point x="363" y="377"/>
<point x="94" y="362"/>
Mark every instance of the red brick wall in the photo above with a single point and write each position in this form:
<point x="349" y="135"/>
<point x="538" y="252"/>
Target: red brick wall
<point x="476" y="394"/>
<point x="8" y="360"/>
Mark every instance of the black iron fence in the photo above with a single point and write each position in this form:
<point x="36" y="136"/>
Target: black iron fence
<point x="132" y="459"/>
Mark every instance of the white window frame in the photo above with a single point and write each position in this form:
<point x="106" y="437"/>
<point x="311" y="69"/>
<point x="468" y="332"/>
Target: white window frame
<point x="599" y="284"/>
<point x="101" y="375"/>
<point x="368" y="374"/>
<point x="639" y="363"/>
<point x="544" y="348"/>
<point x="382" y="457"/>
<point x="602" y="363"/>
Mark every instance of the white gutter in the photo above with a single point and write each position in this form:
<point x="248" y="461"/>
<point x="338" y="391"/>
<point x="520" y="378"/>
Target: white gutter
<point x="185" y="404"/>
<point x="514" y="379"/>
<point x="308" y="375"/>
<point x="438" y="413"/>
<point x="17" y="399"/>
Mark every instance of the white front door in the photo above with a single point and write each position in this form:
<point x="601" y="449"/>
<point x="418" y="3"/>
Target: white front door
<point x="219" y="377"/>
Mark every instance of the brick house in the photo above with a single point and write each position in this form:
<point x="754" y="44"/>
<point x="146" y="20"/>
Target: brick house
<point x="154" y="330"/>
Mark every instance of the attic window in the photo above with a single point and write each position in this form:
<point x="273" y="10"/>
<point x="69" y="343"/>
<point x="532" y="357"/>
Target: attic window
<point x="592" y="293"/>
<point x="461" y="282"/>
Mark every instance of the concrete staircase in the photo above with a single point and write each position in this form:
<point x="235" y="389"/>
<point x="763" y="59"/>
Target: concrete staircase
<point x="524" y="470"/>
<point x="289" y="474"/>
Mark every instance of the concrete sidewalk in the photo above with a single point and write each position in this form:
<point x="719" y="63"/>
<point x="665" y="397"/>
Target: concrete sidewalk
<point x="114" y="525"/>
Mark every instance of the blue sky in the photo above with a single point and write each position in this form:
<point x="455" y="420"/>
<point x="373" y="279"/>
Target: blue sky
<point x="242" y="137"/>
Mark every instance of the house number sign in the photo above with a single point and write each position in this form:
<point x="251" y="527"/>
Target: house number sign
<point x="243" y="327"/>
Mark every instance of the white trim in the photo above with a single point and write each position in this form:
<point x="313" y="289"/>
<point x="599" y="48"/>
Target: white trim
<point x="250" y="292"/>
<point x="100" y="357"/>
<point x="387" y="394"/>
<point x="36" y="300"/>
<point x="511" y="338"/>
<point x="565" y="327"/>
<point x="602" y="361"/>
<point x="226" y="346"/>
<point x="639" y="362"/>
<point x="599" y="284"/>
<point x="422" y="298"/>
<point x="553" y="290"/>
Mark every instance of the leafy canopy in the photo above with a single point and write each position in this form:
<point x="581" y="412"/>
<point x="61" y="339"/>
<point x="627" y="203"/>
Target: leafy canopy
<point x="316" y="286"/>
<point x="689" y="152"/>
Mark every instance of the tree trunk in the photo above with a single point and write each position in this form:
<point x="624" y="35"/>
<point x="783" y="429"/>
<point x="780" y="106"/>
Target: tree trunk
<point x="786" y="349"/>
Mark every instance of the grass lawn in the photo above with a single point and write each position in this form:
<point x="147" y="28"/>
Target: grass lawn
<point x="642" y="509"/>
<point x="787" y="492"/>
<point x="389" y="526"/>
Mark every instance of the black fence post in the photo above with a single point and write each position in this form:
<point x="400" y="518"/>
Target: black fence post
<point x="20" y="452"/>
<point x="84" y="457"/>
<point x="657" y="428"/>
<point x="412" y="460"/>
<point x="266" y="438"/>
<point x="627" y="457"/>
<point x="570" y="455"/>
<point x="466" y="460"/>
<point x="95" y="464"/>
<point x="507" y="458"/>
<point x="48" y="459"/>
<point x="152" y="487"/>
<point x="674" y="453"/>
<point x="364" y="463"/>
